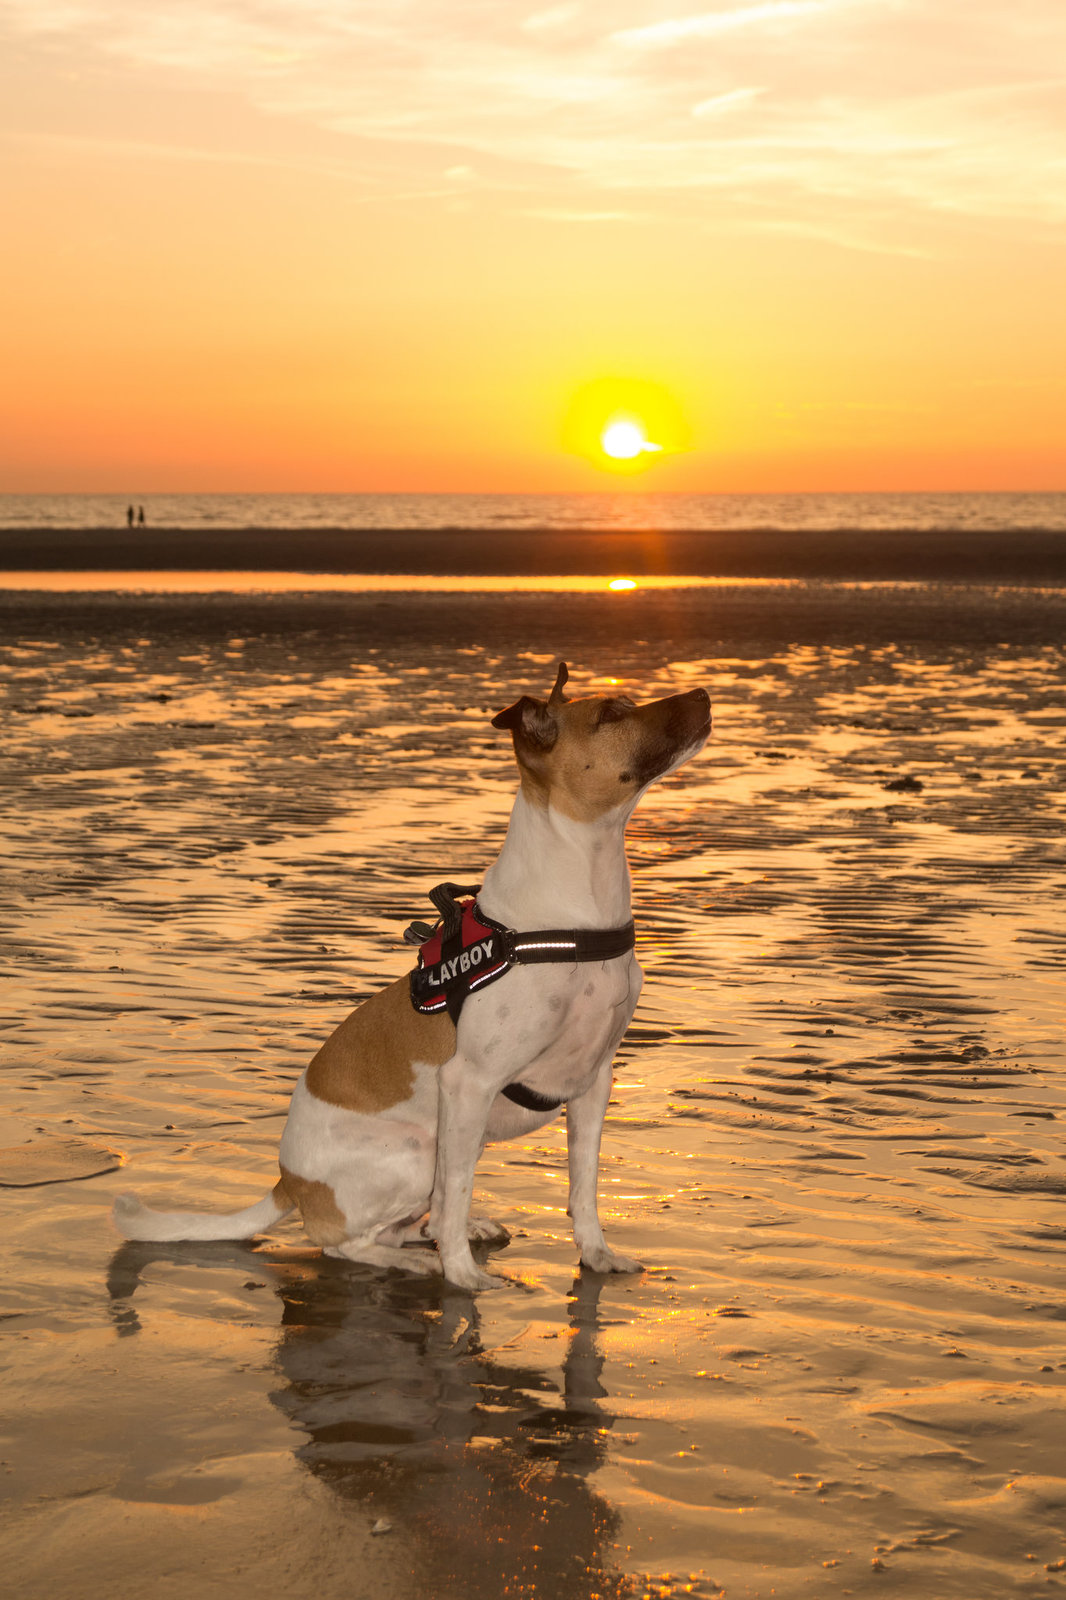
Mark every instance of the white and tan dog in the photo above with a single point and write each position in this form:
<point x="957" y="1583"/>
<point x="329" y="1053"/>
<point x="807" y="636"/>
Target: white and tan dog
<point x="388" y="1121"/>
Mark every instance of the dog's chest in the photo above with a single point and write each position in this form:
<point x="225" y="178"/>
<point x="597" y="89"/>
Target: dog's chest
<point x="554" y="1025"/>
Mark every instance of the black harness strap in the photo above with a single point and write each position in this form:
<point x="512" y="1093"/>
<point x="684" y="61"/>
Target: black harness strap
<point x="529" y="1099"/>
<point x="572" y="944"/>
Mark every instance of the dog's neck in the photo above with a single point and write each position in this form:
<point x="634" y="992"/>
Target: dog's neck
<point x="553" y="872"/>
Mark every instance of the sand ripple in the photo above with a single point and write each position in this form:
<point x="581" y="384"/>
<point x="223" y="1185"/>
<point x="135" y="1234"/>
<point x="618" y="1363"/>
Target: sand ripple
<point x="834" y="1134"/>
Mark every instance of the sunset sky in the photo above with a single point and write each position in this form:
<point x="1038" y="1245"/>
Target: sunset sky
<point x="398" y="244"/>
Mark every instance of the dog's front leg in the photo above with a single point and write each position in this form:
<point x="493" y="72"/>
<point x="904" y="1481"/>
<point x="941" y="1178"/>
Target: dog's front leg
<point x="584" y="1126"/>
<point x="465" y="1103"/>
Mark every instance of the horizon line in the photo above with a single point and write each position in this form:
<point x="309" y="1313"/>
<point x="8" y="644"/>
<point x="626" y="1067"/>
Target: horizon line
<point x="525" y="494"/>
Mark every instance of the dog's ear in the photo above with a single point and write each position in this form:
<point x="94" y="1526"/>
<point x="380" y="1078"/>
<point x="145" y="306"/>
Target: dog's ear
<point x="530" y="721"/>
<point x="557" y="698"/>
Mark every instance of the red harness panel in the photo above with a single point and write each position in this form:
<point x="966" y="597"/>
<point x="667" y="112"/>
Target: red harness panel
<point x="467" y="949"/>
<point x="475" y="958"/>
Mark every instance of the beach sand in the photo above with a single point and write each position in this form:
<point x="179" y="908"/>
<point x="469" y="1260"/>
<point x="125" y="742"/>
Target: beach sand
<point x="835" y="1136"/>
<point x="1026" y="556"/>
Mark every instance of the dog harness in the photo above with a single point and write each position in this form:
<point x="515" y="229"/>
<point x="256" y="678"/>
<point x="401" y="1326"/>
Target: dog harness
<point x="467" y="950"/>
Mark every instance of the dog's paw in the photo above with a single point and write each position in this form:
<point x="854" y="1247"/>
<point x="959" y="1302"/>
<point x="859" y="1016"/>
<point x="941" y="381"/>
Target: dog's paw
<point x="425" y="1262"/>
<point x="472" y="1279"/>
<point x="483" y="1230"/>
<point x="604" y="1259"/>
<point x="367" y="1253"/>
<point x="125" y="1213"/>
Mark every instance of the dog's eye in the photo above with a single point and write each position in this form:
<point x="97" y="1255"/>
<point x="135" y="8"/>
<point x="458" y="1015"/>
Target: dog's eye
<point x="611" y="711"/>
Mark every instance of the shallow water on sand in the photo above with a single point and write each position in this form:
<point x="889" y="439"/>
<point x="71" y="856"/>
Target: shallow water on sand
<point x="834" y="1137"/>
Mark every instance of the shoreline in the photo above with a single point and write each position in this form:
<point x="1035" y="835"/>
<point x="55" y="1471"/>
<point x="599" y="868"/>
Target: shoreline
<point x="735" y="620"/>
<point x="1035" y="557"/>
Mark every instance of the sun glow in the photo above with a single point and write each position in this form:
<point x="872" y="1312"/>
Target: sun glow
<point x="624" y="425"/>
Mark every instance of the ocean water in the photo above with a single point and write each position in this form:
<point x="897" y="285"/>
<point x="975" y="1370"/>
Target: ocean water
<point x="522" y="512"/>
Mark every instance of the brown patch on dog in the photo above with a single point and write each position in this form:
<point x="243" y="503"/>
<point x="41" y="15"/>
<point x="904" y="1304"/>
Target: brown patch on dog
<point x="366" y="1064"/>
<point x="604" y="751"/>
<point x="590" y="769"/>
<point x="324" y="1221"/>
<point x="586" y="758"/>
<point x="582" y="770"/>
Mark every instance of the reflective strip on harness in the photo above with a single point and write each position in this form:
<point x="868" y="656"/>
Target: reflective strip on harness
<point x="467" y="950"/>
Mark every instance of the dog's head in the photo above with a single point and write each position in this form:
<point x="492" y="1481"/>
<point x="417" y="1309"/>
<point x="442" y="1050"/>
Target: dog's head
<point x="593" y="756"/>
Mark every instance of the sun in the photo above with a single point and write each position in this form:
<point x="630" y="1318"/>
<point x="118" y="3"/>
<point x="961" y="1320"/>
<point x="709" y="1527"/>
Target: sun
<point x="624" y="425"/>
<point x="624" y="439"/>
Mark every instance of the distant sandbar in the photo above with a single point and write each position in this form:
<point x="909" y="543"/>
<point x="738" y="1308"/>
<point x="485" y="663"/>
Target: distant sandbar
<point x="1028" y="557"/>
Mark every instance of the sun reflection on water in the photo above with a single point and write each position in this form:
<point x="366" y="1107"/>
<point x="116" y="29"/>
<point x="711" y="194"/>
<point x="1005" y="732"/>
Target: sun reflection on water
<point x="177" y="582"/>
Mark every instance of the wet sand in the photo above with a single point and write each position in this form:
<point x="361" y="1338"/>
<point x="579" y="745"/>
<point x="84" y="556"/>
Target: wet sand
<point x="834" y="1138"/>
<point x="1027" y="556"/>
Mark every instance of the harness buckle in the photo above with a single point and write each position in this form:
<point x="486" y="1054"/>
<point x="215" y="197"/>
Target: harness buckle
<point x="446" y="898"/>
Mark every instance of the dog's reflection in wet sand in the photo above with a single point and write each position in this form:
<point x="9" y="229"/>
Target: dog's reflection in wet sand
<point x="479" y="1463"/>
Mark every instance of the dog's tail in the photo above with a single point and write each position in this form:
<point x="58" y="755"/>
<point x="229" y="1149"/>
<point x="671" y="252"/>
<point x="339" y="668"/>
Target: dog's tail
<point x="136" y="1221"/>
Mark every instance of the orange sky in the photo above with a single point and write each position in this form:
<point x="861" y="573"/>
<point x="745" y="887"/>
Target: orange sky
<point x="370" y="244"/>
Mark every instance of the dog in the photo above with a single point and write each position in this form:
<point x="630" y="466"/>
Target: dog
<point x="388" y="1121"/>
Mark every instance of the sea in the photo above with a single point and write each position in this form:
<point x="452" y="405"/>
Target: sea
<point x="619" y="512"/>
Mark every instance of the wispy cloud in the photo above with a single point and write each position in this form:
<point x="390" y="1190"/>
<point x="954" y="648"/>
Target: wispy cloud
<point x="917" y="111"/>
<point x="721" y="104"/>
<point x="550" y="20"/>
<point x="711" y="24"/>
<point x="842" y="236"/>
<point x="556" y="214"/>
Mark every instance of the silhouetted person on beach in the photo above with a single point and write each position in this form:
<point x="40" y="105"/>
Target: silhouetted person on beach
<point x="140" y="516"/>
<point x="129" y="516"/>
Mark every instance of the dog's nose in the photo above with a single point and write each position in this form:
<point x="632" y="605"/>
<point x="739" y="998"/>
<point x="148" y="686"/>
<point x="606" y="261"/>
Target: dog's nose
<point x="701" y="704"/>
